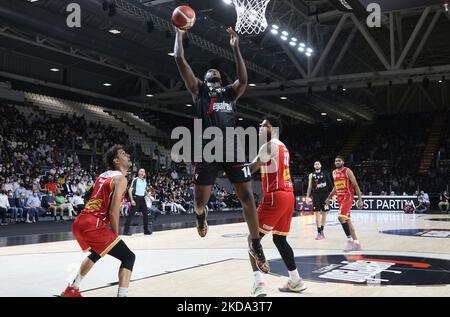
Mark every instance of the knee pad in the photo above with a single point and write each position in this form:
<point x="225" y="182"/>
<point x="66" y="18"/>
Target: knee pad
<point x="94" y="257"/>
<point x="128" y="261"/>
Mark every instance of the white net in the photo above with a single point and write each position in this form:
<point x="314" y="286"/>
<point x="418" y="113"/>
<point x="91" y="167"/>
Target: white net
<point x="251" y="16"/>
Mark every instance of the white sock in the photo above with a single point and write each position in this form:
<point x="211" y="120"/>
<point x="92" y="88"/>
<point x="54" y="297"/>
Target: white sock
<point x="258" y="277"/>
<point x="76" y="282"/>
<point x="356" y="241"/>
<point x="294" y="276"/>
<point x="350" y="240"/>
<point x="122" y="292"/>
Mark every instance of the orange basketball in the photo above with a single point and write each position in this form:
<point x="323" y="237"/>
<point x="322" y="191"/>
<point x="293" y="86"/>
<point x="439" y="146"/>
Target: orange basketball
<point x="183" y="17"/>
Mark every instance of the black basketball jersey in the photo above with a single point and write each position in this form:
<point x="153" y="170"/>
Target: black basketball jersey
<point x="216" y="107"/>
<point x="321" y="182"/>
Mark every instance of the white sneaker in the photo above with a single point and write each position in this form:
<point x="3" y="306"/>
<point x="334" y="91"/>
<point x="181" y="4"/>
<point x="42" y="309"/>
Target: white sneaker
<point x="259" y="290"/>
<point x="293" y="287"/>
<point x="349" y="246"/>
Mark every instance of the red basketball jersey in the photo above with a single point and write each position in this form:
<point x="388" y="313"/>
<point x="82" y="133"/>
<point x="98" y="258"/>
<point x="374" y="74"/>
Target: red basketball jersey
<point x="342" y="183"/>
<point x="275" y="174"/>
<point x="98" y="204"/>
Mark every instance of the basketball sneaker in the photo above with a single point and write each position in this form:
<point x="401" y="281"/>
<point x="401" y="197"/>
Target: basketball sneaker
<point x="258" y="254"/>
<point x="349" y="246"/>
<point x="293" y="287"/>
<point x="71" y="292"/>
<point x="202" y="223"/>
<point x="259" y="290"/>
<point x="356" y="247"/>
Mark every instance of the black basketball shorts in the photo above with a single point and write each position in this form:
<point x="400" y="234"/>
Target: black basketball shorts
<point x="319" y="201"/>
<point x="206" y="173"/>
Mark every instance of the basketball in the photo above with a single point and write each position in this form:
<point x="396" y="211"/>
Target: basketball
<point x="183" y="17"/>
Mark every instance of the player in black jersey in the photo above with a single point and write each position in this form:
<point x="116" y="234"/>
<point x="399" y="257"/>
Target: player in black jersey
<point x="320" y="185"/>
<point x="216" y="106"/>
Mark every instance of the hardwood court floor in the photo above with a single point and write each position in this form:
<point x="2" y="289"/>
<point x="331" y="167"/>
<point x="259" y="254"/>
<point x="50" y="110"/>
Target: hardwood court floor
<point x="179" y="263"/>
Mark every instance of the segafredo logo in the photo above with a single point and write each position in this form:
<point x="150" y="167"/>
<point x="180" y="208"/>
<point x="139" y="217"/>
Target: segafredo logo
<point x="222" y="107"/>
<point x="370" y="270"/>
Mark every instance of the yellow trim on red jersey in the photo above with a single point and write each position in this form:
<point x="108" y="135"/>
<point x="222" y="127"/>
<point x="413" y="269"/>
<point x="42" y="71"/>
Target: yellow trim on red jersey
<point x="264" y="231"/>
<point x="112" y="245"/>
<point x="344" y="216"/>
<point x="278" y="233"/>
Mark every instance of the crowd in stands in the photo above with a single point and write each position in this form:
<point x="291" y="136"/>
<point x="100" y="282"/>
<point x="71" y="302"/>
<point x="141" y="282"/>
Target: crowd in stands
<point x="39" y="170"/>
<point x="174" y="194"/>
<point x="309" y="144"/>
<point x="41" y="174"/>
<point x="387" y="159"/>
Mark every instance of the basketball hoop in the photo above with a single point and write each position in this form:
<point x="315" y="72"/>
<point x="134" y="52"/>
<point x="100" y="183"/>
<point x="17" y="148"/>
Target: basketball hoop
<point x="251" y="16"/>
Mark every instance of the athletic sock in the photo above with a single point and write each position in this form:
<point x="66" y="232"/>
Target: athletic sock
<point x="122" y="292"/>
<point x="77" y="281"/>
<point x="294" y="276"/>
<point x="356" y="241"/>
<point x="321" y="229"/>
<point x="258" y="277"/>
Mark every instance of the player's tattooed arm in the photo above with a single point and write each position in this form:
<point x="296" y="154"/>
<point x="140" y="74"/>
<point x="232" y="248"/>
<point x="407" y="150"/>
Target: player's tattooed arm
<point x="120" y="186"/>
<point x="240" y="85"/>
<point x="352" y="179"/>
<point x="190" y="80"/>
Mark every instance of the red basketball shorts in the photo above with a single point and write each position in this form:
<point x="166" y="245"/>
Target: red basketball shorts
<point x="345" y="205"/>
<point x="275" y="212"/>
<point x="92" y="233"/>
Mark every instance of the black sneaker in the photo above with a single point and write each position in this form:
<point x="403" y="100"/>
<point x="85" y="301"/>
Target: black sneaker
<point x="126" y="233"/>
<point x="258" y="254"/>
<point x="147" y="233"/>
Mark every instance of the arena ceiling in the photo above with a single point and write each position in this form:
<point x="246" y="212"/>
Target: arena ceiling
<point x="381" y="69"/>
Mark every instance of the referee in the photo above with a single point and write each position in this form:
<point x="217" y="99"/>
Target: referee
<point x="320" y="185"/>
<point x="137" y="192"/>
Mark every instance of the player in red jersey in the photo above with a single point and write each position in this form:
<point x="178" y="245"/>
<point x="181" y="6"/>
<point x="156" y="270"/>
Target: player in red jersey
<point x="91" y="226"/>
<point x="277" y="205"/>
<point x="345" y="185"/>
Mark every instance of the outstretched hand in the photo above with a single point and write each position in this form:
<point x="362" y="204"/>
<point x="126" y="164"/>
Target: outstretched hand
<point x="178" y="30"/>
<point x="234" y="40"/>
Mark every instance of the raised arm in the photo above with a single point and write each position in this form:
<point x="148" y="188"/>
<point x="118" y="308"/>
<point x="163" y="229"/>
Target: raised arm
<point x="120" y="186"/>
<point x="352" y="179"/>
<point x="192" y="83"/>
<point x="240" y="85"/>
